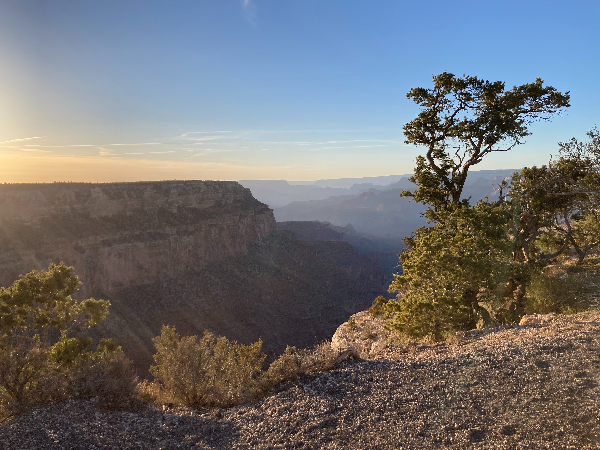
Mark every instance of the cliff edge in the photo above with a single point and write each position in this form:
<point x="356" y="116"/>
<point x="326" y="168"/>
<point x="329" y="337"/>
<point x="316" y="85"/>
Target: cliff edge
<point x="532" y="386"/>
<point x="119" y="235"/>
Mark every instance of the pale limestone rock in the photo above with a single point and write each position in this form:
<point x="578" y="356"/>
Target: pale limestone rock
<point x="363" y="334"/>
<point x="537" y="319"/>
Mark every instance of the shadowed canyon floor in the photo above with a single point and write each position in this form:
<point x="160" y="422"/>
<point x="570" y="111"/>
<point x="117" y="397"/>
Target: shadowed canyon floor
<point x="529" y="387"/>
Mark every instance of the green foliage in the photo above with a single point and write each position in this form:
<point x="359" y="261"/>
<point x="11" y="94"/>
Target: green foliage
<point x="107" y="347"/>
<point x="69" y="352"/>
<point x="351" y="324"/>
<point x="479" y="264"/>
<point x="451" y="270"/>
<point x="584" y="151"/>
<point x="462" y="120"/>
<point x="379" y="307"/>
<point x="554" y="207"/>
<point x="41" y="301"/>
<point x="287" y="366"/>
<point x="43" y="356"/>
<point x="207" y="371"/>
<point x="553" y="294"/>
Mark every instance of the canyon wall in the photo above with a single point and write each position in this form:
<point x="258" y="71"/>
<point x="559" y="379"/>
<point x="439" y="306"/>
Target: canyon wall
<point x="119" y="235"/>
<point x="194" y="254"/>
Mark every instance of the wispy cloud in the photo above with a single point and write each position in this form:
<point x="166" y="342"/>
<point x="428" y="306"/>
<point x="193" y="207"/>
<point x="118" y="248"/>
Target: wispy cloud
<point x="141" y="143"/>
<point x="361" y="140"/>
<point x="324" y="142"/>
<point x="204" y="138"/>
<point x="249" y="11"/>
<point x="168" y="151"/>
<point x="356" y="146"/>
<point x="21" y="139"/>
<point x="208" y="151"/>
<point x="204" y="132"/>
<point x="92" y="145"/>
<point x="35" y="150"/>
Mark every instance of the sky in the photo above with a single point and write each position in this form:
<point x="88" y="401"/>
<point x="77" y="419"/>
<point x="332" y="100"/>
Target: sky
<point x="267" y="89"/>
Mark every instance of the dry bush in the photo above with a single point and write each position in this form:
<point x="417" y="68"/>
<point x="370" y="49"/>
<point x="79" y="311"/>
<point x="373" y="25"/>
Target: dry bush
<point x="206" y="371"/>
<point x="548" y="293"/>
<point x="209" y="371"/>
<point x="320" y="358"/>
<point x="287" y="367"/>
<point x="152" y="392"/>
<point x="31" y="376"/>
<point x="294" y="362"/>
<point x="22" y="371"/>
<point x="109" y="378"/>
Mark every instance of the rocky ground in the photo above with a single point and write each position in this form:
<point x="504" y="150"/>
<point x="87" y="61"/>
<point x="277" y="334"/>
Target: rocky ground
<point x="526" y="387"/>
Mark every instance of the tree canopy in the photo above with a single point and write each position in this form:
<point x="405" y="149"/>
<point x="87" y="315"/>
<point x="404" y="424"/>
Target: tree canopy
<point x="485" y="263"/>
<point x="462" y="120"/>
<point x="471" y="264"/>
<point x="450" y="268"/>
<point x="41" y="301"/>
<point x="44" y="354"/>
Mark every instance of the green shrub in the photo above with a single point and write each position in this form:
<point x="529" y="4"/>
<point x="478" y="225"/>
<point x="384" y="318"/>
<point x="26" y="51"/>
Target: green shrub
<point x="553" y="294"/>
<point x="287" y="366"/>
<point x="351" y="324"/>
<point x="450" y="270"/>
<point x="69" y="352"/>
<point x="207" y="371"/>
<point x="378" y="308"/>
<point x="36" y="369"/>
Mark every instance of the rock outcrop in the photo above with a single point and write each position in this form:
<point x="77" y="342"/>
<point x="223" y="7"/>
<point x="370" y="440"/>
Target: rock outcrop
<point x="365" y="335"/>
<point x="194" y="254"/>
<point x="121" y="235"/>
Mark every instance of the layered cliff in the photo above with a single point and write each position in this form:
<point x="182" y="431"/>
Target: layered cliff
<point x="194" y="254"/>
<point x="125" y="234"/>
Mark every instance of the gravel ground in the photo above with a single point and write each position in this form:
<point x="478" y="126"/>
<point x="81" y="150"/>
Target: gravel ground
<point x="525" y="387"/>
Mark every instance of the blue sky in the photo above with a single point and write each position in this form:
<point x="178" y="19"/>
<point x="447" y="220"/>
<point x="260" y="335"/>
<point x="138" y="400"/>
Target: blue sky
<point x="256" y="89"/>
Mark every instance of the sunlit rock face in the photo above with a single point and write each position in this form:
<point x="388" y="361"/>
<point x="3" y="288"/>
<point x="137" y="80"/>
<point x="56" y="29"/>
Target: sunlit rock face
<point x="120" y="235"/>
<point x="194" y="254"/>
